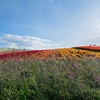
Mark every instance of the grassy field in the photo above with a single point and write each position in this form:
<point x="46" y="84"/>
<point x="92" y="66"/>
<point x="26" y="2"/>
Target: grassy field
<point x="6" y="49"/>
<point x="51" y="79"/>
<point x="2" y="49"/>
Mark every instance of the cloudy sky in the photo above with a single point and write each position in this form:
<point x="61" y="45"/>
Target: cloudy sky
<point x="43" y="24"/>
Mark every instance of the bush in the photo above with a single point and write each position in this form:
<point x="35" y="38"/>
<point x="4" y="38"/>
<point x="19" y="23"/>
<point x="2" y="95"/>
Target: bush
<point x="50" y="80"/>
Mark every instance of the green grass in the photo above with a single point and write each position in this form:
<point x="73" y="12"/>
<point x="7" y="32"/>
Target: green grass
<point x="50" y="80"/>
<point x="5" y="49"/>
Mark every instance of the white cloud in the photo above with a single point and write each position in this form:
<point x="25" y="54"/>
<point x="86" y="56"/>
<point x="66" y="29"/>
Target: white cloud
<point x="98" y="26"/>
<point x="91" y="40"/>
<point x="26" y="42"/>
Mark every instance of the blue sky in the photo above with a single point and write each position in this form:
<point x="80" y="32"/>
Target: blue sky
<point x="40" y="24"/>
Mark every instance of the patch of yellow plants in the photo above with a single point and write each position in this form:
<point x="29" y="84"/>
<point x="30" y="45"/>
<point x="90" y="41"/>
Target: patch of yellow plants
<point x="74" y="53"/>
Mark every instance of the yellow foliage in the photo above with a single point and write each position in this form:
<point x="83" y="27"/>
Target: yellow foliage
<point x="74" y="53"/>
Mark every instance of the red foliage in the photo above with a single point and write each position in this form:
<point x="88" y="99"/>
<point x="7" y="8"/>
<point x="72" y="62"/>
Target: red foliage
<point x="9" y="55"/>
<point x="89" y="47"/>
<point x="46" y="54"/>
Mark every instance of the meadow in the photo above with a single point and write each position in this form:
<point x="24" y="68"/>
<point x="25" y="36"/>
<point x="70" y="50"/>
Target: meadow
<point x="56" y="74"/>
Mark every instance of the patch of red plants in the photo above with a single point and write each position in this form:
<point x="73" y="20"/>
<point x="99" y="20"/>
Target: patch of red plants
<point x="46" y="54"/>
<point x="89" y="47"/>
<point x="9" y="55"/>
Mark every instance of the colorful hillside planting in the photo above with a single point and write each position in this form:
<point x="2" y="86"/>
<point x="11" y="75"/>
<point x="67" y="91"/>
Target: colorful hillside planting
<point x="64" y="53"/>
<point x="61" y="53"/>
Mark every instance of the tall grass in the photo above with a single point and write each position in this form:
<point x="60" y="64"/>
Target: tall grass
<point x="50" y="79"/>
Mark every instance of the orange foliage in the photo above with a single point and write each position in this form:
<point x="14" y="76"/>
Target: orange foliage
<point x="63" y="53"/>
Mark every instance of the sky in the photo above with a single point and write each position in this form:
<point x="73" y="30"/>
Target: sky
<point x="46" y="24"/>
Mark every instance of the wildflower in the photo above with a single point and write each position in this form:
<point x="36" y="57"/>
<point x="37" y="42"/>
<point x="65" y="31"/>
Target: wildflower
<point x="67" y="69"/>
<point x="98" y="78"/>
<point x="74" y="65"/>
<point x="71" y="77"/>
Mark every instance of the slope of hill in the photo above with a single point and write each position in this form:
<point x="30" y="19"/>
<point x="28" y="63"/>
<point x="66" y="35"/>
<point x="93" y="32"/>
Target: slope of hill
<point x="94" y="48"/>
